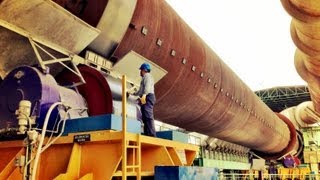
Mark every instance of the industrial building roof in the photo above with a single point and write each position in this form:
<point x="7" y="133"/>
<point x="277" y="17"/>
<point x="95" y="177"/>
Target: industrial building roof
<point x="280" y="98"/>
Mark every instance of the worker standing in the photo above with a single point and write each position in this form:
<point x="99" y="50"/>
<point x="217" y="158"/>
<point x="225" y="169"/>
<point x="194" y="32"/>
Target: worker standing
<point x="147" y="99"/>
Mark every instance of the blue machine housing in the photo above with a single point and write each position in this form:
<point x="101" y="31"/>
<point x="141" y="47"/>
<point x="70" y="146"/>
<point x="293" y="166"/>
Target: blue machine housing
<point x="42" y="90"/>
<point x="27" y="83"/>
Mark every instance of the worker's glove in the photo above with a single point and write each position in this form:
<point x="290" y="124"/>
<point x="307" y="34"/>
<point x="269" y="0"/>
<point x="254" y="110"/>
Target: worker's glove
<point x="132" y="90"/>
<point x="143" y="99"/>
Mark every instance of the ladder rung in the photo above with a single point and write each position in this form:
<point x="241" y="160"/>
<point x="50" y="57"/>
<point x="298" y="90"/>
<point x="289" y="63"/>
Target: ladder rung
<point x="132" y="146"/>
<point x="132" y="166"/>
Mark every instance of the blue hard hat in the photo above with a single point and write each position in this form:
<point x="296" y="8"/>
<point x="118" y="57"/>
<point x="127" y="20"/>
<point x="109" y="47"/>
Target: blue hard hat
<point x="145" y="66"/>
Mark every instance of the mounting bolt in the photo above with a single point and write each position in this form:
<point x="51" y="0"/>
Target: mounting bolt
<point x="159" y="42"/>
<point x="144" y="30"/>
<point x="184" y="61"/>
<point x="193" y="68"/>
<point x="173" y="52"/>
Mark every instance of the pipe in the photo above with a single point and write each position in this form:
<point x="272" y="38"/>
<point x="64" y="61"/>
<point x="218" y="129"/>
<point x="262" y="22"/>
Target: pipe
<point x="305" y="112"/>
<point x="199" y="93"/>
<point x="305" y="33"/>
<point x="217" y="102"/>
<point x="302" y="115"/>
<point x="43" y="132"/>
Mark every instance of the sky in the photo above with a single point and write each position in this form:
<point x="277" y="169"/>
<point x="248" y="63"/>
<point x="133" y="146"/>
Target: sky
<point x="252" y="37"/>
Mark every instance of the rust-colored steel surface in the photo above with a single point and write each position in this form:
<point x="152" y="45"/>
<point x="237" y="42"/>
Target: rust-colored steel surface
<point x="305" y="33"/>
<point x="200" y="93"/>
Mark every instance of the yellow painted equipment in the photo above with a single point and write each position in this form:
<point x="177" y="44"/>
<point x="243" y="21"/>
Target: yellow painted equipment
<point x="292" y="173"/>
<point x="99" y="158"/>
<point x="102" y="155"/>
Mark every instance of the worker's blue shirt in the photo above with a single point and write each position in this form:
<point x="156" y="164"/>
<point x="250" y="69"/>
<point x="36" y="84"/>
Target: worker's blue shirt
<point x="146" y="85"/>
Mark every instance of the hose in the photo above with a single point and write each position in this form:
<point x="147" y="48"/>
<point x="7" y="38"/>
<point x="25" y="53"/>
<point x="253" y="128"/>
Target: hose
<point x="45" y="124"/>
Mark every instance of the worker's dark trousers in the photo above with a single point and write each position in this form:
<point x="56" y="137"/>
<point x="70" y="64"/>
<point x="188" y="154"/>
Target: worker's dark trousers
<point x="147" y="115"/>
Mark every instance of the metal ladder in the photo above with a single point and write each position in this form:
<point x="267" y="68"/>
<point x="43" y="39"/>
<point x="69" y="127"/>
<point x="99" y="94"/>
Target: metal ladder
<point x="136" y="157"/>
<point x="136" y="144"/>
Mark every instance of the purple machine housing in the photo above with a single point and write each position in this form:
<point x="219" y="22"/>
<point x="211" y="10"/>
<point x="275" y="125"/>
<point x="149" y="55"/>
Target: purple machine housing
<point x="29" y="83"/>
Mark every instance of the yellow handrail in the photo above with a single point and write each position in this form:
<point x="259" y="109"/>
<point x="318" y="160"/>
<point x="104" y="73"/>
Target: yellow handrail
<point x="124" y="127"/>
